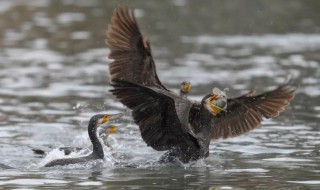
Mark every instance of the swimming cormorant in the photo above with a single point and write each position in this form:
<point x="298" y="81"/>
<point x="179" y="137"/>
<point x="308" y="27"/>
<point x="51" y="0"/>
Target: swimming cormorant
<point x="103" y="134"/>
<point x="97" y="152"/>
<point x="168" y="121"/>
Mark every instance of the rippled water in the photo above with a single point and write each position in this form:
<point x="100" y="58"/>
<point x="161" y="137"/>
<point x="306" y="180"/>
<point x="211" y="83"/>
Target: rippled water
<point x="53" y="78"/>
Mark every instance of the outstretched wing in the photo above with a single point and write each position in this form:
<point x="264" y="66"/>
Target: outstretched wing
<point x="133" y="61"/>
<point x="158" y="115"/>
<point x="246" y="112"/>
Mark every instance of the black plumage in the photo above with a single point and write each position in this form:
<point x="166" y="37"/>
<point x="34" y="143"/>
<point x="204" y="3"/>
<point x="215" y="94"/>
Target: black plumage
<point x="97" y="150"/>
<point x="168" y="121"/>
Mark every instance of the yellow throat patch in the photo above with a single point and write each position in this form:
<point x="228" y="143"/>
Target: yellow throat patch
<point x="112" y="129"/>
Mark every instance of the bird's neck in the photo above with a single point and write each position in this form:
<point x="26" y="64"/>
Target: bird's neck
<point x="205" y="119"/>
<point x="97" y="147"/>
<point x="182" y="93"/>
<point x="204" y="112"/>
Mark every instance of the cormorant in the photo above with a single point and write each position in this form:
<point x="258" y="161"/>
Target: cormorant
<point x="168" y="121"/>
<point x="65" y="150"/>
<point x="103" y="134"/>
<point x="185" y="88"/>
<point x="97" y="152"/>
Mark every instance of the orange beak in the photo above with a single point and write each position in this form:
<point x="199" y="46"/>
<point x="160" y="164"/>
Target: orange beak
<point x="105" y="119"/>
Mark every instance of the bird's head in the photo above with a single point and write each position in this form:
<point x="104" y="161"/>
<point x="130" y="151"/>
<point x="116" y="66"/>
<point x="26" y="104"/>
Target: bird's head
<point x="102" y="119"/>
<point x="216" y="101"/>
<point x="185" y="86"/>
<point x="109" y="129"/>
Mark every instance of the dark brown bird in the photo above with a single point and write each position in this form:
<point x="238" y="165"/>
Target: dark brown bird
<point x="168" y="121"/>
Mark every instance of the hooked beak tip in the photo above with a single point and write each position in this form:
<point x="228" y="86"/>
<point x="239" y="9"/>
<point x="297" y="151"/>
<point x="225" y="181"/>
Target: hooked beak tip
<point x="116" y="116"/>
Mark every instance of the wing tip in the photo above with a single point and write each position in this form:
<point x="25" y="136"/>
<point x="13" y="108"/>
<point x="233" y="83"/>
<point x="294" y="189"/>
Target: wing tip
<point x="289" y="89"/>
<point x="123" y="24"/>
<point x="275" y="102"/>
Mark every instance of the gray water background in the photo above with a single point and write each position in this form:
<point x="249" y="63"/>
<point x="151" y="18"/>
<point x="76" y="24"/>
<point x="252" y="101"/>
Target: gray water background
<point x="53" y="78"/>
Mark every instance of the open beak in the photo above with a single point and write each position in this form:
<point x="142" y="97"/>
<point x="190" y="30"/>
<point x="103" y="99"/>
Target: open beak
<point x="217" y="104"/>
<point x="115" y="116"/>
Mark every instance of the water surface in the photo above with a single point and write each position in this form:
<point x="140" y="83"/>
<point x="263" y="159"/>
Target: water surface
<point x="53" y="77"/>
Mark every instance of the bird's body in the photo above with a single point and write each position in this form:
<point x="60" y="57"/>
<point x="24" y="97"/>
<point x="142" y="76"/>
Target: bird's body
<point x="172" y="122"/>
<point x="97" y="151"/>
<point x="103" y="134"/>
<point x="67" y="161"/>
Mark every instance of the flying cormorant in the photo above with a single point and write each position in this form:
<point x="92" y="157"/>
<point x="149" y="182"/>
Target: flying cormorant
<point x="168" y="121"/>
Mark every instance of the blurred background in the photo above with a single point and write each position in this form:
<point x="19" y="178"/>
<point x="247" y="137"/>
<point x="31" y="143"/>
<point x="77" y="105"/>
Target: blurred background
<point x="73" y="26"/>
<point x="54" y="77"/>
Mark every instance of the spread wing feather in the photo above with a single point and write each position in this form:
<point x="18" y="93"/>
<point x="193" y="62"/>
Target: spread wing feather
<point x="133" y="61"/>
<point x="246" y="112"/>
<point x="155" y="113"/>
